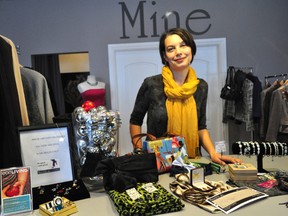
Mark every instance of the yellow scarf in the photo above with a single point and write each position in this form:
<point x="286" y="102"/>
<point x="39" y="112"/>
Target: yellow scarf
<point x="181" y="108"/>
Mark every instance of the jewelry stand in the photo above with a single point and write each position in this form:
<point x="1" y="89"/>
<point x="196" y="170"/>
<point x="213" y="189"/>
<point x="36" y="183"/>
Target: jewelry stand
<point x="260" y="149"/>
<point x="260" y="164"/>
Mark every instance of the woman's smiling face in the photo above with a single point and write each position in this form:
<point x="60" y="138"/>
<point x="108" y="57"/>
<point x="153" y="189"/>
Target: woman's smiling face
<point x="177" y="53"/>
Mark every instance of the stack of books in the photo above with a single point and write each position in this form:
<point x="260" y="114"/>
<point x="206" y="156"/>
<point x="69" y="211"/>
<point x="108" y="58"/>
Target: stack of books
<point x="244" y="172"/>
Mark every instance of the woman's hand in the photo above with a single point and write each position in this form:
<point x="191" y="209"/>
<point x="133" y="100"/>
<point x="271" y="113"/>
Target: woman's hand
<point x="224" y="159"/>
<point x="218" y="158"/>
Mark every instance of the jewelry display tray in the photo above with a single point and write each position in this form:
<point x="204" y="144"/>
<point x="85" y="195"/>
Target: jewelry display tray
<point x="67" y="210"/>
<point x="72" y="190"/>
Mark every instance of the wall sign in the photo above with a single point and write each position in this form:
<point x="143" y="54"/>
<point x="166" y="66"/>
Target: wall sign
<point x="137" y="17"/>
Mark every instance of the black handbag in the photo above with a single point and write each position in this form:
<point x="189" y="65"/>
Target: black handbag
<point x="230" y="91"/>
<point x="124" y="172"/>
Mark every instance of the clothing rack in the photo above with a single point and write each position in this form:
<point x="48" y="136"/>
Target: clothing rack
<point x="245" y="69"/>
<point x="274" y="76"/>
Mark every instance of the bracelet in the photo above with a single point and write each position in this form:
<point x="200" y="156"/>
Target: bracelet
<point x="265" y="148"/>
<point x="252" y="144"/>
<point x="285" y="149"/>
<point x="247" y="148"/>
<point x="276" y="148"/>
<point x="276" y="153"/>
<point x="138" y="151"/>
<point x="280" y="148"/>
<point x="240" y="147"/>
<point x="258" y="148"/>
<point x="270" y="150"/>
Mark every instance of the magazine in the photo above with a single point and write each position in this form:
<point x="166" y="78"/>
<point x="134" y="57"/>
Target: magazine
<point x="16" y="192"/>
<point x="235" y="198"/>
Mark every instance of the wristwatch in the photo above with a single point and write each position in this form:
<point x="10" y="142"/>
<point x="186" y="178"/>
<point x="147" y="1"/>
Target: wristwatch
<point x="58" y="203"/>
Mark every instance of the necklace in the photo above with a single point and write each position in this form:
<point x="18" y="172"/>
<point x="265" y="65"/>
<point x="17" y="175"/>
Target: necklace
<point x="92" y="84"/>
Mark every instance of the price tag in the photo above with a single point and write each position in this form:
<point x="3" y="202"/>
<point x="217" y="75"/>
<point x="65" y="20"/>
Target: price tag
<point x="133" y="193"/>
<point x="149" y="187"/>
<point x="220" y="147"/>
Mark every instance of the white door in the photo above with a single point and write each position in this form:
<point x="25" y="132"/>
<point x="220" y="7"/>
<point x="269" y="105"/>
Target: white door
<point x="130" y="63"/>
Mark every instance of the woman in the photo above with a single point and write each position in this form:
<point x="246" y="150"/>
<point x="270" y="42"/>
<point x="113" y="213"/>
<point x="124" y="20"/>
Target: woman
<point x="175" y="100"/>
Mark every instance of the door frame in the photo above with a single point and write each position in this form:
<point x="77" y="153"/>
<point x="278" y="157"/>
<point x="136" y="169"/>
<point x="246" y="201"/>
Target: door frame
<point x="114" y="49"/>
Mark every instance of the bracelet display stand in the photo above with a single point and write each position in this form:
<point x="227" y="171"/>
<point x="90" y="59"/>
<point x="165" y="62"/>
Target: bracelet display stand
<point x="260" y="149"/>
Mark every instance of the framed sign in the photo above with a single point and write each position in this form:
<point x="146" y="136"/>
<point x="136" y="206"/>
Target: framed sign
<point x="46" y="149"/>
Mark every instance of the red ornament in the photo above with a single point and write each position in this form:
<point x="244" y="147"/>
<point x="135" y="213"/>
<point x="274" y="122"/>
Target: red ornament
<point x="13" y="191"/>
<point x="87" y="105"/>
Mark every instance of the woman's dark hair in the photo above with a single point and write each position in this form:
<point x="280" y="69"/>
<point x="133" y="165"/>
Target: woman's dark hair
<point x="186" y="37"/>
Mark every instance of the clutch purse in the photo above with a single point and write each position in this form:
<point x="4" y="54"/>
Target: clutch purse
<point x="166" y="150"/>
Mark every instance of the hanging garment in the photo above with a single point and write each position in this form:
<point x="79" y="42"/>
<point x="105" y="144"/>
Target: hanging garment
<point x="37" y="97"/>
<point x="97" y="96"/>
<point x="9" y="110"/>
<point x="242" y="111"/>
<point x="18" y="80"/>
<point x="266" y="95"/>
<point x="278" y="119"/>
<point x="33" y="111"/>
<point x="257" y="88"/>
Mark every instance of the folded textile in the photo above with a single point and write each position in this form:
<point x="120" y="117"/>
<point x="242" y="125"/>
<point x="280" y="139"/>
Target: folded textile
<point x="145" y="199"/>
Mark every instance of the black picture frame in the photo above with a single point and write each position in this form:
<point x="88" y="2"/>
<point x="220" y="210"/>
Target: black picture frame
<point x="47" y="150"/>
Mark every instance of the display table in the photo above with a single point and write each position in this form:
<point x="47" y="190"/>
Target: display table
<point x="100" y="204"/>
